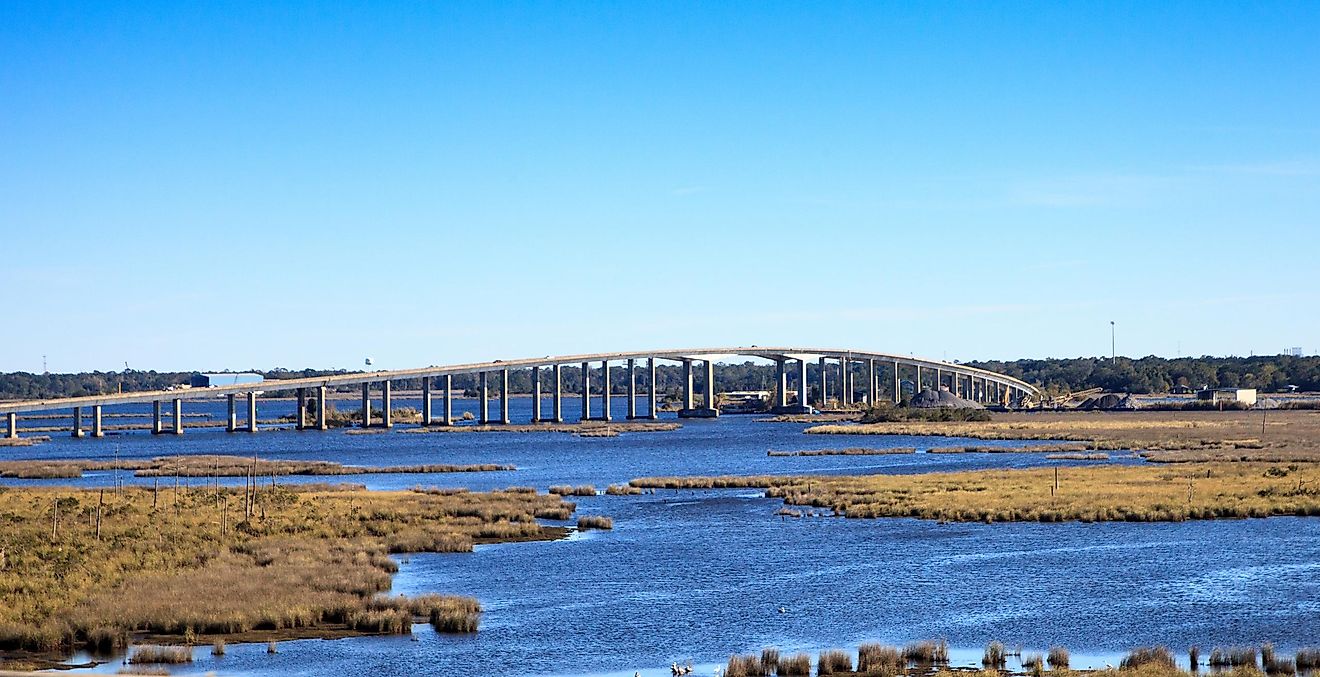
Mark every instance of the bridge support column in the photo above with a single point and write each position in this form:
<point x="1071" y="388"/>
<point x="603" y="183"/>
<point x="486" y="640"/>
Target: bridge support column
<point x="366" y="405"/>
<point x="872" y="390"/>
<point x="12" y="433"/>
<point x="898" y="385"/>
<point x="845" y="381"/>
<point x="97" y="430"/>
<point x="557" y="404"/>
<point x="77" y="422"/>
<point x="781" y="384"/>
<point x="802" y="386"/>
<point x="688" y="399"/>
<point x="504" y="396"/>
<point x="586" y="391"/>
<point x="536" y="394"/>
<point x="918" y="382"/>
<point x="632" y="389"/>
<point x="448" y="416"/>
<point x="177" y="428"/>
<point x="710" y="387"/>
<point x="605" y="390"/>
<point x="484" y="393"/>
<point x="232" y="424"/>
<point x="321" y="423"/>
<point x="252" y="412"/>
<point x="654" y="391"/>
<point x="426" y="401"/>
<point x="300" y="421"/>
<point x="386" y="415"/>
<point x="824" y="384"/>
<point x="156" y="427"/>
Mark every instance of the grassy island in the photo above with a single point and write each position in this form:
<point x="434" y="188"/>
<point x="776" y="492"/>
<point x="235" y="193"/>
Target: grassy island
<point x="89" y="568"/>
<point x="1093" y="493"/>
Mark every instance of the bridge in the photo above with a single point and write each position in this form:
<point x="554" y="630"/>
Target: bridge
<point x="978" y="385"/>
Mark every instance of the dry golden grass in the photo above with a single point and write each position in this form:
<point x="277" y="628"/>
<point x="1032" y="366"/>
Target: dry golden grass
<point x="1095" y="493"/>
<point x="228" y="562"/>
<point x="219" y="466"/>
<point x="1278" y="436"/>
<point x="585" y="429"/>
<point x="594" y="522"/>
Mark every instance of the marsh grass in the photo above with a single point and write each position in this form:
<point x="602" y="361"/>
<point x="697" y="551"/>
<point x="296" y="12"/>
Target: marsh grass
<point x="1308" y="659"/>
<point x="1093" y="493"/>
<point x="221" y="466"/>
<point x="1058" y="658"/>
<point x="1234" y="656"/>
<point x="301" y="561"/>
<point x="1150" y="656"/>
<point x="744" y="666"/>
<point x="621" y="490"/>
<point x="565" y="490"/>
<point x="995" y="655"/>
<point x="797" y="665"/>
<point x="594" y="522"/>
<point x="161" y="654"/>
<point x="769" y="660"/>
<point x="834" y="661"/>
<point x="851" y="451"/>
<point x="926" y="652"/>
<point x="875" y="658"/>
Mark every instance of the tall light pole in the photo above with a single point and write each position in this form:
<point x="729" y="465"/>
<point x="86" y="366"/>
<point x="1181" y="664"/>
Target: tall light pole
<point x="1113" y="343"/>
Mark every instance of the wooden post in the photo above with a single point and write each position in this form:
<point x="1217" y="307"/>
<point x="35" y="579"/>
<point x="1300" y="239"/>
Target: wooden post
<point x="55" y="522"/>
<point x="99" y="502"/>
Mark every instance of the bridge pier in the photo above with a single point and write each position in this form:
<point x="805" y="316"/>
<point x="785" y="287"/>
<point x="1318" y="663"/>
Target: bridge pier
<point x="824" y="385"/>
<point x="484" y="393"/>
<point x="321" y="423"/>
<point x="605" y="390"/>
<point x="156" y="427"/>
<point x="653" y="390"/>
<point x="300" y="421"/>
<point x="632" y="389"/>
<point x="781" y="385"/>
<point x="77" y="423"/>
<point x="873" y="390"/>
<point x="448" y="418"/>
<point x="557" y="404"/>
<point x="845" y="381"/>
<point x="898" y="385"/>
<point x="232" y="424"/>
<point x="586" y="392"/>
<point x="386" y="415"/>
<point x="688" y="399"/>
<point x="12" y="433"/>
<point x="536" y="394"/>
<point x="97" y="431"/>
<point x="709" y="408"/>
<point x="177" y="427"/>
<point x="252" y="412"/>
<point x="504" y="396"/>
<point x="426" y="401"/>
<point x="366" y="405"/>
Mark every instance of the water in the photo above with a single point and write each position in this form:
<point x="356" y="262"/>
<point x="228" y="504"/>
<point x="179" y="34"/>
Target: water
<point x="697" y="575"/>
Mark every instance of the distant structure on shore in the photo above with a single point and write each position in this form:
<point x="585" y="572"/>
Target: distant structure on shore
<point x="1246" y="396"/>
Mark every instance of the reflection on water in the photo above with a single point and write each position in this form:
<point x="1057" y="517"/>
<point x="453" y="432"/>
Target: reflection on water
<point x="699" y="575"/>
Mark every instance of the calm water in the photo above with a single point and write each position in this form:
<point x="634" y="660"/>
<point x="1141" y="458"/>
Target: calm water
<point x="698" y="575"/>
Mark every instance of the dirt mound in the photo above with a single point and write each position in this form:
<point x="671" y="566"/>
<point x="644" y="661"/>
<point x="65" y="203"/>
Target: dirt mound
<point x="1108" y="401"/>
<point x="934" y="399"/>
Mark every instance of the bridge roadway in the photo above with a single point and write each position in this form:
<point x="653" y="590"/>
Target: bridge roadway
<point x="975" y="384"/>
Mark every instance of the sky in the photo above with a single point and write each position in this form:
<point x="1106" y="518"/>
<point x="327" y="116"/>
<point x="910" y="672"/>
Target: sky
<point x="194" y="186"/>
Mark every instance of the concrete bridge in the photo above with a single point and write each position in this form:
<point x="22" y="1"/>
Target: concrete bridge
<point x="979" y="385"/>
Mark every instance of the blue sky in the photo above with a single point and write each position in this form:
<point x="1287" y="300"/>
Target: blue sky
<point x="233" y="185"/>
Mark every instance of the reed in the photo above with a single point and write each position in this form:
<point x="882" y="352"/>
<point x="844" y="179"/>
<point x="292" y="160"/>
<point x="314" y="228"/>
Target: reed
<point x="580" y="490"/>
<point x="926" y="652"/>
<point x="1058" y="658"/>
<point x="880" y="659"/>
<point x="1034" y="663"/>
<point x="797" y="665"/>
<point x="218" y="647"/>
<point x="1194" y="657"/>
<point x="594" y="522"/>
<point x="834" y="661"/>
<point x="161" y="654"/>
<point x="743" y="666"/>
<point x="1308" y="659"/>
<point x="210" y="465"/>
<point x="995" y="655"/>
<point x="851" y="451"/>
<point x="621" y="490"/>
<point x="1234" y="656"/>
<point x="1150" y="656"/>
<point x="769" y="660"/>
